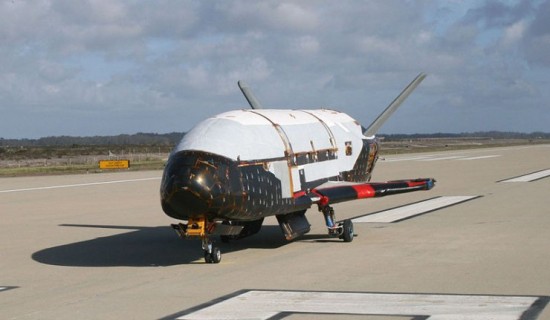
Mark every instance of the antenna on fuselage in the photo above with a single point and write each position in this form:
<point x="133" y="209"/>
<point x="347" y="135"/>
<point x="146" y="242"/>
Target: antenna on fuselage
<point x="252" y="101"/>
<point x="376" y="124"/>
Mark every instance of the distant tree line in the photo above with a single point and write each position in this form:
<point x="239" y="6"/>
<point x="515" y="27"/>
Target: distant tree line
<point x="469" y="135"/>
<point x="138" y="139"/>
<point x="171" y="139"/>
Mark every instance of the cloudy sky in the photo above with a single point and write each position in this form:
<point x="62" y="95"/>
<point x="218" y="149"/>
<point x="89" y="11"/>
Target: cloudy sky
<point x="84" y="68"/>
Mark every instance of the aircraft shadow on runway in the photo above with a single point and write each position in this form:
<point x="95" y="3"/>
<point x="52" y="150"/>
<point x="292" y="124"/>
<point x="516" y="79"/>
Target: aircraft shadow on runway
<point x="148" y="246"/>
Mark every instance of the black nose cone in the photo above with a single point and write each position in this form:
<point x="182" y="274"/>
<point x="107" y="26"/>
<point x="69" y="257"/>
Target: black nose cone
<point x="195" y="183"/>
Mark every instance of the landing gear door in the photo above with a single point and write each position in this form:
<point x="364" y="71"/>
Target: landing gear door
<point x="281" y="170"/>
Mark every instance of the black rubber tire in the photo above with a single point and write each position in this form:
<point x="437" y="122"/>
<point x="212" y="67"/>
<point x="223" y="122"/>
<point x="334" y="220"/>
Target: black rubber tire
<point x="207" y="257"/>
<point x="347" y="233"/>
<point x="216" y="255"/>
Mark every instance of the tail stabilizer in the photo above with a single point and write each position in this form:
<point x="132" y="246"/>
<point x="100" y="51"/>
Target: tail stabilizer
<point x="252" y="101"/>
<point x="376" y="124"/>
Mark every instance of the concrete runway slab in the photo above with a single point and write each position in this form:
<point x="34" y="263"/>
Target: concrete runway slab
<point x="98" y="246"/>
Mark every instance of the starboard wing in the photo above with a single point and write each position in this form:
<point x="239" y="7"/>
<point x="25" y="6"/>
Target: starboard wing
<point x="339" y="191"/>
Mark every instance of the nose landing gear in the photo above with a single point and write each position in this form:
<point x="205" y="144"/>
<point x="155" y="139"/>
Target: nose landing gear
<point x="200" y="228"/>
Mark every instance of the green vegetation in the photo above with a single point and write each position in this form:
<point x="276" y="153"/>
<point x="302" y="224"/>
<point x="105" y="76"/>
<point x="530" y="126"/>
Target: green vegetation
<point x="410" y="145"/>
<point x="74" y="155"/>
<point x="148" y="151"/>
<point x="32" y="170"/>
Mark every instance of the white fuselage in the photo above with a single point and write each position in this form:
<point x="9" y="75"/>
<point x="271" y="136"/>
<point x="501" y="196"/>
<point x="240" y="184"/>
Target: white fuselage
<point x="323" y="143"/>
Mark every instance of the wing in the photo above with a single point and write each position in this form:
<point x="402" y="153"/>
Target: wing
<point x="335" y="192"/>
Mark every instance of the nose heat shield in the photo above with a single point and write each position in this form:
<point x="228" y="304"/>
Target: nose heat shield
<point x="190" y="184"/>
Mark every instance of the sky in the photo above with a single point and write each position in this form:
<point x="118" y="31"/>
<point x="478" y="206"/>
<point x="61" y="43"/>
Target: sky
<point x="85" y="68"/>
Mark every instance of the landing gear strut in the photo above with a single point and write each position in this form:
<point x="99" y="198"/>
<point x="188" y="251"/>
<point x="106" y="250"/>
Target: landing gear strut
<point x="344" y="229"/>
<point x="200" y="228"/>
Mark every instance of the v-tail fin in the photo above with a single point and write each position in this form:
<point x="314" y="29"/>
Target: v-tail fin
<point x="252" y="101"/>
<point x="376" y="124"/>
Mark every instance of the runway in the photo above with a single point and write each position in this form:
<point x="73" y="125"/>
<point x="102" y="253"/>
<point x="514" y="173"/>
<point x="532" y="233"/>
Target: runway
<point x="98" y="246"/>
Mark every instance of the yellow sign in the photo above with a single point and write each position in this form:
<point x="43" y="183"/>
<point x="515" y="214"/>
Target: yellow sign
<point x="114" y="164"/>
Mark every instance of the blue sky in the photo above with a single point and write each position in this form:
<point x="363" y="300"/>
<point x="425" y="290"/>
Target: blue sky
<point x="84" y="68"/>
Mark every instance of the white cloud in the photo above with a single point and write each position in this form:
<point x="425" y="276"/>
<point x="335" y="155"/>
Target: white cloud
<point x="514" y="33"/>
<point x="107" y="60"/>
<point x="274" y="15"/>
<point x="306" y="45"/>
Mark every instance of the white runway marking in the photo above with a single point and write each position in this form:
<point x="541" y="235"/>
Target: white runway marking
<point x="433" y="157"/>
<point x="414" y="209"/>
<point x="408" y="158"/>
<point x="530" y="177"/>
<point x="480" y="157"/>
<point x="258" y="304"/>
<point x="442" y="158"/>
<point x="78" y="185"/>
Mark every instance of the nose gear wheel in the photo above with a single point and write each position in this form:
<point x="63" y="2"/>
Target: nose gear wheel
<point x="200" y="228"/>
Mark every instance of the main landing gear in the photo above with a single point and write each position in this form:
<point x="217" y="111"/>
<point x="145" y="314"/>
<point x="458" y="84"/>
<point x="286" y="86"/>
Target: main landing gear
<point x="212" y="254"/>
<point x="200" y="228"/>
<point x="343" y="230"/>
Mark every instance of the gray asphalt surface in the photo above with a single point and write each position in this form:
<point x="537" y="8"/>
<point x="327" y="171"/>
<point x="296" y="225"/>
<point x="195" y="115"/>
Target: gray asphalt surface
<point x="98" y="246"/>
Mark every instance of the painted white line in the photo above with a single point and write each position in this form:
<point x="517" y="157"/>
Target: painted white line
<point x="267" y="304"/>
<point x="481" y="157"/>
<point x="442" y="158"/>
<point x="409" y="158"/>
<point x="401" y="213"/>
<point x="78" y="185"/>
<point x="530" y="177"/>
